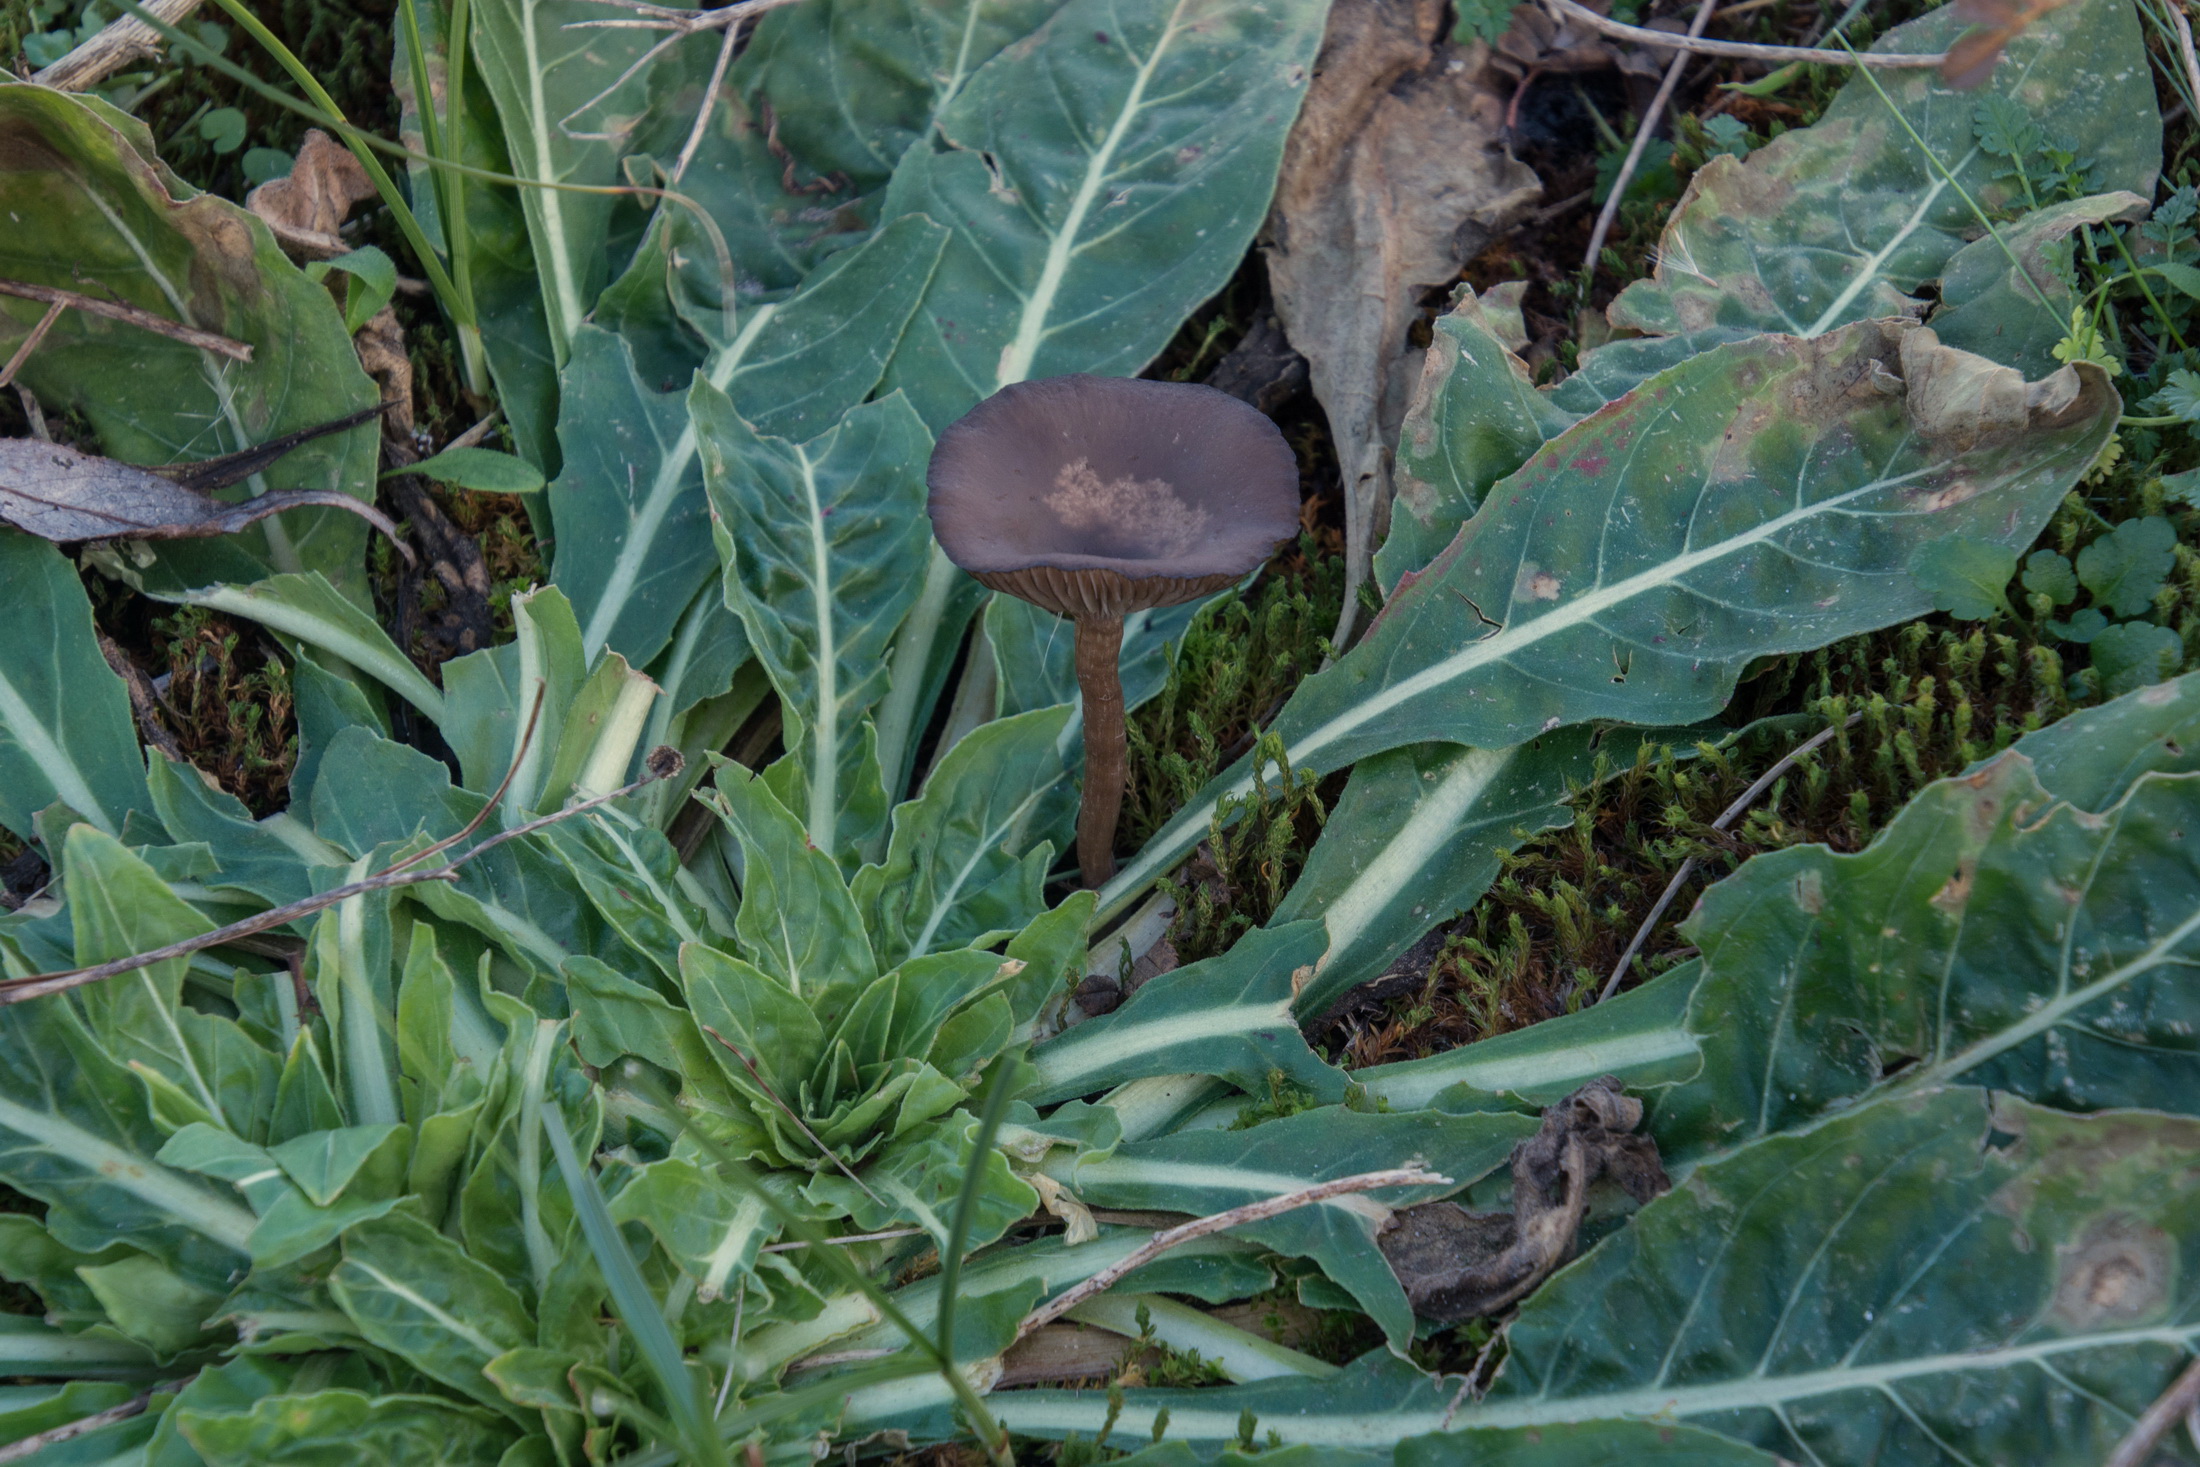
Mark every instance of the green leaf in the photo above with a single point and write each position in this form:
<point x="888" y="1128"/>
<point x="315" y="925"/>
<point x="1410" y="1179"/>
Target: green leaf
<point x="271" y="859"/>
<point x="797" y="921"/>
<point x="417" y="1294"/>
<point x="1183" y="111"/>
<point x="824" y="543"/>
<point x="633" y="546"/>
<point x="119" y="907"/>
<point x="311" y="609"/>
<point x="1229" y="1016"/>
<point x="1476" y="417"/>
<point x="76" y="1133"/>
<point x="65" y="730"/>
<point x="1925" y="1277"/>
<point x="2049" y="574"/>
<point x="2082" y="627"/>
<point x="223" y="129"/>
<point x="32" y="1347"/>
<point x="1418" y="837"/>
<point x="115" y="223"/>
<point x="481" y="469"/>
<point x="324" y="1163"/>
<point x="969" y="855"/>
<point x="150" y="1303"/>
<point x="2015" y="311"/>
<point x="1205" y="1172"/>
<point x="2124" y="568"/>
<point x="1744" y="502"/>
<point x="1844" y="220"/>
<point x="710" y="1228"/>
<point x="564" y="101"/>
<point x="1964" y="575"/>
<point x="918" y="1178"/>
<point x="345" y="1428"/>
<point x="2133" y="654"/>
<point x="371" y="281"/>
<point x="756" y="1014"/>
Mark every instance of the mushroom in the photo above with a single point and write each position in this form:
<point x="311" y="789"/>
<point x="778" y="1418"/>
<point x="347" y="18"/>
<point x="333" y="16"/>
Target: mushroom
<point x="1093" y="497"/>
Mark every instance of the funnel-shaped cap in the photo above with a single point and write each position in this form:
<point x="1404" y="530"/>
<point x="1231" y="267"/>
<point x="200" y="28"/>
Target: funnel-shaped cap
<point x="1102" y="495"/>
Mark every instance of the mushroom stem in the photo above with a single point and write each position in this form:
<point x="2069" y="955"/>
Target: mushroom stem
<point x="1107" y="752"/>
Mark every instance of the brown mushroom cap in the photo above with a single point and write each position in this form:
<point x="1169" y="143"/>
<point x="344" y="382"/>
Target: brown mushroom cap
<point x="1104" y="495"/>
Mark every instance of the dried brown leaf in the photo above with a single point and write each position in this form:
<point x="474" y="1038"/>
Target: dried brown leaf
<point x="1395" y="175"/>
<point x="308" y="205"/>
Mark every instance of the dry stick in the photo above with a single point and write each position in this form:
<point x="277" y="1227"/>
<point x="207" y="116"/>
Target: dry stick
<point x="30" y="342"/>
<point x="116" y="45"/>
<point x="1162" y="1242"/>
<point x="31" y="1446"/>
<point x="2176" y="10"/>
<point x="761" y="1084"/>
<point x="1740" y="50"/>
<point x="130" y="315"/>
<point x="2182" y="1396"/>
<point x="1643" y="130"/>
<point x="840" y="1242"/>
<point x="1748" y="797"/>
<point x="710" y="95"/>
<point x="496" y="796"/>
<point x="38" y="985"/>
<point x="684" y="22"/>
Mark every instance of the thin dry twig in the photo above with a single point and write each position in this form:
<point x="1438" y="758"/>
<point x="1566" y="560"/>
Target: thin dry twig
<point x="1573" y="10"/>
<point x="1727" y="817"/>
<point x="1643" y="130"/>
<point x="31" y="1446"/>
<point x="1200" y="1227"/>
<point x="843" y="1242"/>
<point x="663" y="764"/>
<point x="2176" y="10"/>
<point x="30" y="342"/>
<point x="116" y="45"/>
<point x="726" y="49"/>
<point x="803" y="1126"/>
<point x="130" y="315"/>
<point x="2155" y="1422"/>
<point x="683" y="22"/>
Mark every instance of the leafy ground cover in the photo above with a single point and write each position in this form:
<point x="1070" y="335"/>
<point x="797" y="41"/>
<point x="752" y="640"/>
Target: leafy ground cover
<point x="594" y="978"/>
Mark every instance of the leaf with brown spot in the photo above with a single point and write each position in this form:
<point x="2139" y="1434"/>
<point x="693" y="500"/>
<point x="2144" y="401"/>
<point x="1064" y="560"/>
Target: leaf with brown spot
<point x="306" y="206"/>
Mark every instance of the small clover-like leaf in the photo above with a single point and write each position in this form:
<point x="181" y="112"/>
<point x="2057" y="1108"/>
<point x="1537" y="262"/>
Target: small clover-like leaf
<point x="1966" y="577"/>
<point x="2134" y="654"/>
<point x="2180" y="396"/>
<point x="2124" y="568"/>
<point x="1727" y="134"/>
<point x="223" y="128"/>
<point x="2083" y="627"/>
<point x="2048" y="573"/>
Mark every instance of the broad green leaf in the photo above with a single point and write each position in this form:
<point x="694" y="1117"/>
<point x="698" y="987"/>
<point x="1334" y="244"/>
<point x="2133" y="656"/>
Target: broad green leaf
<point x="345" y="1428"/>
<point x="1987" y="937"/>
<point x="1229" y="1016"/>
<point x="1751" y="500"/>
<point x="119" y="907"/>
<point x="1104" y="187"/>
<point x="115" y="223"/>
<point x="311" y="609"/>
<point x="565" y="104"/>
<point x="2013" y="315"/>
<point x="597" y="738"/>
<point x="918" y="1178"/>
<point x="1845" y="219"/>
<point x="849" y="85"/>
<point x="2133" y="654"/>
<point x="1947" y="1277"/>
<point x="1419" y="835"/>
<point x="614" y="1016"/>
<point x="823" y="544"/>
<point x="633" y="547"/>
<point x="29" y="1410"/>
<point x="76" y="1133"/>
<point x="797" y="921"/>
<point x="711" y="1229"/>
<point x="632" y="876"/>
<point x="65" y="731"/>
<point x="1205" y="1172"/>
<point x="239" y="1384"/>
<point x="1475" y="418"/>
<point x="507" y="294"/>
<point x="417" y="1294"/>
<point x="969" y="856"/>
<point x="30" y="1255"/>
<point x="324" y="1163"/>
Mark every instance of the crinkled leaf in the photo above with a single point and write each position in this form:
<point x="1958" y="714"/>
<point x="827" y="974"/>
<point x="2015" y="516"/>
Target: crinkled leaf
<point x="1964" y="575"/>
<point x="2015" y="311"/>
<point x="2125" y="567"/>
